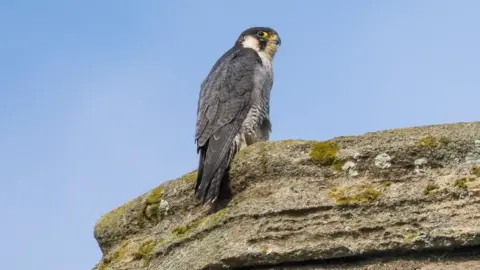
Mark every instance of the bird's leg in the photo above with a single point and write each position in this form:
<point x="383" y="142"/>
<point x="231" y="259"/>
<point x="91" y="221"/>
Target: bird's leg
<point x="241" y="141"/>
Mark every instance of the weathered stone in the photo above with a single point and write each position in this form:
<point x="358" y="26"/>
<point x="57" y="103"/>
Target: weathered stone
<point x="396" y="199"/>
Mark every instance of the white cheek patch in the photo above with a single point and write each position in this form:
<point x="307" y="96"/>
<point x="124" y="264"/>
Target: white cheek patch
<point x="251" y="42"/>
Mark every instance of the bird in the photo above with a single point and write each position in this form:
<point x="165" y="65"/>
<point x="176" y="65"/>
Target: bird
<point x="233" y="107"/>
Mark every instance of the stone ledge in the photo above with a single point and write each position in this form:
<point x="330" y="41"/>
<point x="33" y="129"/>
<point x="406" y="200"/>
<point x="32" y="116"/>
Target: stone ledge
<point x="414" y="189"/>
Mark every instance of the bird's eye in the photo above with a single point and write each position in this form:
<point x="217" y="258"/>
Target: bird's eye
<point x="261" y="34"/>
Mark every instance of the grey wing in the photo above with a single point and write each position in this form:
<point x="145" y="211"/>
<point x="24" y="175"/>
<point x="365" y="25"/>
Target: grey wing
<point x="224" y="92"/>
<point x="204" y="89"/>
<point x="223" y="105"/>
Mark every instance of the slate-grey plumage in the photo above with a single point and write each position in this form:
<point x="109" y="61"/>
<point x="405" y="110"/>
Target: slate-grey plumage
<point x="233" y="107"/>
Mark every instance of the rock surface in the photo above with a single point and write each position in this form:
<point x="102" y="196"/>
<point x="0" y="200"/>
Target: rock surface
<point x="396" y="199"/>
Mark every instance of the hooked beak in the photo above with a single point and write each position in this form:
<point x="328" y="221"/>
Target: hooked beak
<point x="278" y="41"/>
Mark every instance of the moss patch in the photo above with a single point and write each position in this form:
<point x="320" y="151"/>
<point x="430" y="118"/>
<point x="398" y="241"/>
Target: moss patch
<point x="410" y="237"/>
<point x="324" y="152"/>
<point x="386" y="184"/>
<point x="475" y="171"/>
<point x="338" y="164"/>
<point x="444" y="140"/>
<point x="214" y="218"/>
<point x="102" y="266"/>
<point x="111" y="217"/>
<point x="117" y="255"/>
<point x="428" y="142"/>
<point x="155" y="195"/>
<point x="460" y="183"/>
<point x="181" y="231"/>
<point x="189" y="178"/>
<point x="151" y="211"/>
<point x="113" y="257"/>
<point x="354" y="194"/>
<point x="145" y="251"/>
<point x="152" y="202"/>
<point x="430" y="189"/>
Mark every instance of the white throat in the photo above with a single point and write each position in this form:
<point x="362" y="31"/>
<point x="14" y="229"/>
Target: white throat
<point x="252" y="43"/>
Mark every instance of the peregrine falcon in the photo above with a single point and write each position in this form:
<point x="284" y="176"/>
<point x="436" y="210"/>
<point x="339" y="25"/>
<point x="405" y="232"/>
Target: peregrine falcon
<point x="233" y="107"/>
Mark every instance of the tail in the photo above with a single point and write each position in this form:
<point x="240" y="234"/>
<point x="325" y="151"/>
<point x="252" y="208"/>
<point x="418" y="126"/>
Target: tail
<point x="208" y="185"/>
<point x="214" y="162"/>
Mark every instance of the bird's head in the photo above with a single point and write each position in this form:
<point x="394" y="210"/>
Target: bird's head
<point x="264" y="40"/>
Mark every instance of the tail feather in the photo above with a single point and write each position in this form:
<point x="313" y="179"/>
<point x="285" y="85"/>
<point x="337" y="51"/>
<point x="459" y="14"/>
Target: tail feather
<point x="217" y="180"/>
<point x="215" y="158"/>
<point x="201" y="164"/>
<point x="209" y="179"/>
<point x="208" y="186"/>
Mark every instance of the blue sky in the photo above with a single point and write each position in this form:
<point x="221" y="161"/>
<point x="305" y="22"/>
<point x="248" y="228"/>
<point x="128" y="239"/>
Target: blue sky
<point x="98" y="98"/>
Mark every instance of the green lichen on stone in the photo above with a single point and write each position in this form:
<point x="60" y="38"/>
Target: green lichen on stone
<point x="117" y="255"/>
<point x="461" y="183"/>
<point x="264" y="250"/>
<point x="475" y="170"/>
<point x="410" y="237"/>
<point x="151" y="211"/>
<point x="354" y="194"/>
<point x="386" y="184"/>
<point x="181" y="231"/>
<point x="208" y="220"/>
<point x="428" y="142"/>
<point x="102" y="266"/>
<point x="152" y="202"/>
<point x="324" y="152"/>
<point x="430" y="189"/>
<point x="110" y="219"/>
<point x="444" y="140"/>
<point x="155" y="195"/>
<point x="189" y="178"/>
<point x="145" y="251"/>
<point x="338" y="164"/>
<point x="111" y="258"/>
<point x="214" y="218"/>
